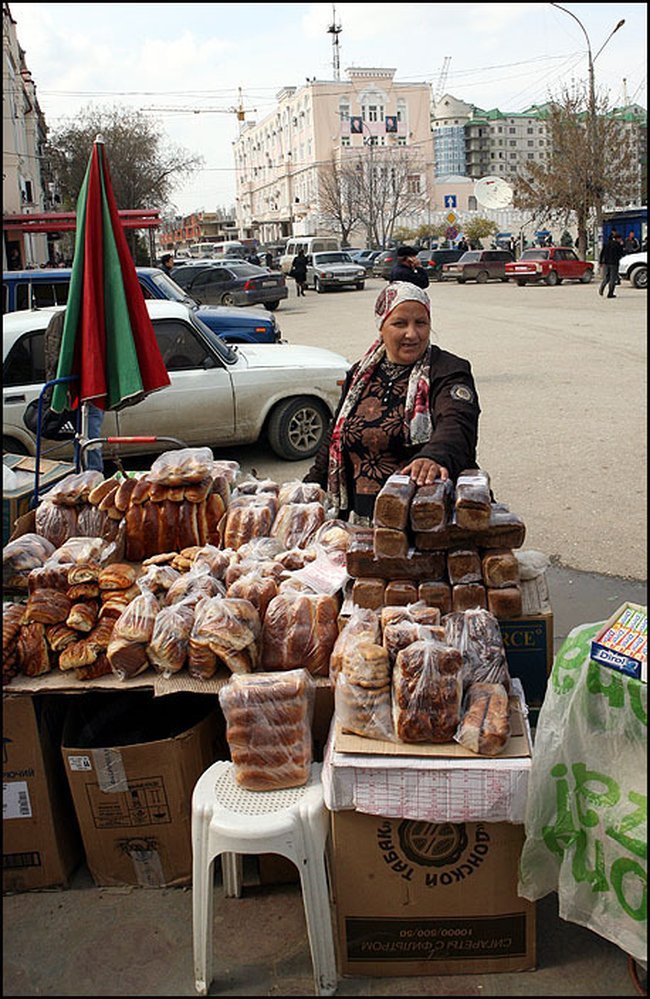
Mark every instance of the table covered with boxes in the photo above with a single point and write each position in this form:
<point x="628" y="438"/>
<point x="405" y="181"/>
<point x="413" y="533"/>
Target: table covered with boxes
<point x="405" y="655"/>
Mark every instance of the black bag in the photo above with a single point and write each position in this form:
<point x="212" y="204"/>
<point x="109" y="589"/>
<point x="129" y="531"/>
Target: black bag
<point x="54" y="426"/>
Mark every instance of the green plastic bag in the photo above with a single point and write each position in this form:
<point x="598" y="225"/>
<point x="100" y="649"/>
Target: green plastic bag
<point x="586" y="832"/>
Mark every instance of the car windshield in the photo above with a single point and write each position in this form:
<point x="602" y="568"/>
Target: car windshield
<point x="469" y="256"/>
<point x="171" y="290"/>
<point x="333" y="258"/>
<point x="217" y="343"/>
<point x="245" y="270"/>
<point x="534" y="255"/>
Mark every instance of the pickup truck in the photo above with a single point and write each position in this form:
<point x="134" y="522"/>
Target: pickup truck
<point x="550" y="264"/>
<point x="41" y="289"/>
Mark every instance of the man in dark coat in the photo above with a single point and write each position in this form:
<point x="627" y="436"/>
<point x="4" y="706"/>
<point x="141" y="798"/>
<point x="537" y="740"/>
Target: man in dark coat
<point x="610" y="255"/>
<point x="408" y="268"/>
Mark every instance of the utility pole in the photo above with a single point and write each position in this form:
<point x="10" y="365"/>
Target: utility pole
<point x="335" y="30"/>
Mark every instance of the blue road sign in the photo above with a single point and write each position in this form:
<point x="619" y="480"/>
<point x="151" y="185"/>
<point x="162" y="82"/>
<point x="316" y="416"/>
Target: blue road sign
<point x="450" y="201"/>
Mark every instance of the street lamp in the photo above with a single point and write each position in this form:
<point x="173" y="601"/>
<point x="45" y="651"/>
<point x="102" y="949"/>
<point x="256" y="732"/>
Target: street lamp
<point x="592" y="93"/>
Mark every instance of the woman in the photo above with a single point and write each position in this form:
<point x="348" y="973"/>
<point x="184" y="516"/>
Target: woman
<point x="407" y="407"/>
<point x="299" y="272"/>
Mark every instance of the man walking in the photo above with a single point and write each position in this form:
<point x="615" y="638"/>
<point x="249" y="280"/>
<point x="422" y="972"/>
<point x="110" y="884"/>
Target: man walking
<point x="610" y="255"/>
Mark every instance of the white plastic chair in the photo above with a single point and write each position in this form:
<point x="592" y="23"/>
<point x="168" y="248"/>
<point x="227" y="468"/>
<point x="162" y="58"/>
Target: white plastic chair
<point x="228" y="821"/>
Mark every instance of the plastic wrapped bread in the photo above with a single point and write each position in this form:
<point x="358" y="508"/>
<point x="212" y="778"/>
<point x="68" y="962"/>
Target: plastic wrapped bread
<point x="295" y="523"/>
<point x="464" y="565"/>
<point x="20" y="556"/>
<point x="131" y="634"/>
<point x="393" y="501"/>
<point x="485" y="725"/>
<point x="300" y="630"/>
<point x="500" y="568"/>
<point x="268" y="728"/>
<point x="472" y="506"/>
<point x="436" y="593"/>
<point x="368" y="593"/>
<point x="362" y="692"/>
<point x="186" y="465"/>
<point x="431" y="506"/>
<point x="427" y="691"/>
<point x="466" y="596"/>
<point x="477" y="636"/>
<point x="226" y="631"/>
<point x="170" y="639"/>
<point x="390" y="543"/>
<point x="362" y="625"/>
<point x="296" y="491"/>
<point x="248" y="517"/>
<point x="397" y="636"/>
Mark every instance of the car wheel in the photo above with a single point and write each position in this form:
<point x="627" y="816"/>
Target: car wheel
<point x="586" y="277"/>
<point x="318" y="286"/>
<point x="297" y="427"/>
<point x="482" y="277"/>
<point x="436" y="276"/>
<point x="12" y="446"/>
<point x="522" y="282"/>
<point x="360" y="286"/>
<point x="461" y="280"/>
<point x="227" y="299"/>
<point x="505" y="279"/>
<point x="639" y="277"/>
<point x="551" y="279"/>
<point x="271" y="306"/>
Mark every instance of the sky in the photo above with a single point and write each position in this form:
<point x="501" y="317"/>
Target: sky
<point x="198" y="61"/>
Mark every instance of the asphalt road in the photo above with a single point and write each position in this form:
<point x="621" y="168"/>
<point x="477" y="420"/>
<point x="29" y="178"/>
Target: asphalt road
<point x="561" y="377"/>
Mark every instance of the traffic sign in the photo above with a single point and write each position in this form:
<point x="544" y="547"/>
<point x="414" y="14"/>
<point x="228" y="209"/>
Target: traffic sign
<point x="450" y="200"/>
<point x="451" y="217"/>
<point x="451" y="233"/>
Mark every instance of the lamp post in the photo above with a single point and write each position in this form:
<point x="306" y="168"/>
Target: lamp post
<point x="592" y="100"/>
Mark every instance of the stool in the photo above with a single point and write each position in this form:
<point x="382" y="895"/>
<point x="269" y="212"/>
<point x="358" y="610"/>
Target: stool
<point x="228" y="821"/>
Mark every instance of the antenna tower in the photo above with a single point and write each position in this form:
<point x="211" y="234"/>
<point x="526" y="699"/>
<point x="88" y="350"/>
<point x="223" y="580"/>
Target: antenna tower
<point x="335" y="30"/>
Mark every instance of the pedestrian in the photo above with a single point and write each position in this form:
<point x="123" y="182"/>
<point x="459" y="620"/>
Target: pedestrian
<point x="167" y="263"/>
<point x="299" y="272"/>
<point x="610" y="255"/>
<point x="407" y="407"/>
<point x="268" y="260"/>
<point x="462" y="245"/>
<point x="252" y="258"/>
<point x="409" y="268"/>
<point x="631" y="244"/>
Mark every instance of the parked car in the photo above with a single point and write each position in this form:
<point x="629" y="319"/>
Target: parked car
<point x="434" y="260"/>
<point x="231" y="282"/>
<point x="39" y="289"/>
<point x="366" y="258"/>
<point x="220" y="395"/>
<point x="384" y="263"/>
<point x="334" y="269"/>
<point x="550" y="264"/>
<point x="479" y="265"/>
<point x="635" y="267"/>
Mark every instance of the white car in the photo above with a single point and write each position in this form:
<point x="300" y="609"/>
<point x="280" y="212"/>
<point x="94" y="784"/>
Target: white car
<point x="334" y="269"/>
<point x="220" y="394"/>
<point x="635" y="267"/>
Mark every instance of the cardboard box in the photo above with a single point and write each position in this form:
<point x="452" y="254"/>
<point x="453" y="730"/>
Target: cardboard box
<point x="132" y="763"/>
<point x="622" y="642"/>
<point x="15" y="502"/>
<point x="528" y="643"/>
<point x="41" y="841"/>
<point x="419" y="898"/>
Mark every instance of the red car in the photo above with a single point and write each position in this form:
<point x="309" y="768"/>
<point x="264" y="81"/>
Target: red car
<point x="550" y="264"/>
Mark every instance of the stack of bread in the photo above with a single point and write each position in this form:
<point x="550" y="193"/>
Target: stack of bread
<point x="452" y="548"/>
<point x="268" y="728"/>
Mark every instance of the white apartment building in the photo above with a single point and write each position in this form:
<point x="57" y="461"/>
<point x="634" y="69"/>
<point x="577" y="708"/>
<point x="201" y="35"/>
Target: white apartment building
<point x="278" y="160"/>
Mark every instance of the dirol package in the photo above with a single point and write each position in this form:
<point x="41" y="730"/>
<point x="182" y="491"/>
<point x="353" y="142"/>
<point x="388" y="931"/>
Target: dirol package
<point x="622" y="643"/>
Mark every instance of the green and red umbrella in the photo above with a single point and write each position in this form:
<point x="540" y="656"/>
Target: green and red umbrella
<point x="108" y="341"/>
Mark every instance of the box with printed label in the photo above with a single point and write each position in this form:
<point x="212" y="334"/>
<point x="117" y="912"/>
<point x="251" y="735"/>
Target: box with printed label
<point x="41" y="846"/>
<point x="423" y="898"/>
<point x="528" y="643"/>
<point x="622" y="642"/>
<point x="132" y="763"/>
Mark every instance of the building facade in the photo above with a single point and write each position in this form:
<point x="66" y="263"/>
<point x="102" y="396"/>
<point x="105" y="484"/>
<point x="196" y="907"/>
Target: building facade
<point x="279" y="161"/>
<point x="23" y="137"/>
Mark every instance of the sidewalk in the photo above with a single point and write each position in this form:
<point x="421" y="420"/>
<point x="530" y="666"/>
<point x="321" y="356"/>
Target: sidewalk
<point x="88" y="941"/>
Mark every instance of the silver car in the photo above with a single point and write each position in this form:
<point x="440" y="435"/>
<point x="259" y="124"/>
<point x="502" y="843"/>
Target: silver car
<point x="334" y="269"/>
<point x="220" y="394"/>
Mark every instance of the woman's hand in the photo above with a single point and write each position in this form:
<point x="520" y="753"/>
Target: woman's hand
<point x="425" y="471"/>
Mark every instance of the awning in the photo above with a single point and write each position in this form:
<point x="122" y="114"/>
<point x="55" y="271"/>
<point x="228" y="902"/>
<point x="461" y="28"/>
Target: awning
<point x="131" y="218"/>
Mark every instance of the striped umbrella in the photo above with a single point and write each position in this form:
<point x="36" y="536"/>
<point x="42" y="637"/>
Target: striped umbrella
<point x="108" y="341"/>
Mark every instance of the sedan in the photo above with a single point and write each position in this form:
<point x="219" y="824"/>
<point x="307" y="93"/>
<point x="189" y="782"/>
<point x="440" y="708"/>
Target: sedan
<point x="231" y="282"/>
<point x="551" y="265"/>
<point x="334" y="269"/>
<point x="366" y="258"/>
<point x="634" y="266"/>
<point x="384" y="263"/>
<point x="282" y="394"/>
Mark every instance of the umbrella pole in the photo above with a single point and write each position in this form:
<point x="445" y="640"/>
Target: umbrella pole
<point x="83" y="436"/>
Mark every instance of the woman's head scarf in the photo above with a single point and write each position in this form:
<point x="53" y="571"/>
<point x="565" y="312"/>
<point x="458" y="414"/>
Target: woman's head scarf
<point x="394" y="294"/>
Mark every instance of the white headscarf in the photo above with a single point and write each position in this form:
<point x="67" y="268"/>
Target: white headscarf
<point x="394" y="294"/>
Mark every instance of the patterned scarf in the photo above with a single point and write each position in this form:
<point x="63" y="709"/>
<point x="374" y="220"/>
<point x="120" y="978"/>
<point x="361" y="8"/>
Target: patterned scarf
<point x="417" y="418"/>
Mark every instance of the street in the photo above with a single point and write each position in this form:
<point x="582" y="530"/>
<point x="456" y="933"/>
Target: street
<point x="561" y="377"/>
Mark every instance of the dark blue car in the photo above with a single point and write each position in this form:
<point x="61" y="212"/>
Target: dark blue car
<point x="38" y="289"/>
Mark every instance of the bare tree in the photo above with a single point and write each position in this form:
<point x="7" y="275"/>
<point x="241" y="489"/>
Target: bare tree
<point x="339" y="196"/>
<point x="391" y="189"/>
<point x="591" y="161"/>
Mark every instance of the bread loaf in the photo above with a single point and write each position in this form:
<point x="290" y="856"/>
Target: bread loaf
<point x="485" y="725"/>
<point x="299" y="630"/>
<point x="127" y="659"/>
<point x="368" y="593"/>
<point x="33" y="656"/>
<point x="49" y="576"/>
<point x="362" y="625"/>
<point x="22" y="555"/>
<point x="505" y="529"/>
<point x="477" y="635"/>
<point x="393" y="502"/>
<point x="122" y="496"/>
<point x="427" y="689"/>
<point x="256" y="588"/>
<point x="389" y="543"/>
<point x="56" y="523"/>
<point x="500" y="568"/>
<point x="400" y="592"/>
<point x="231" y="628"/>
<point x="464" y="566"/>
<point x="465" y="596"/>
<point x="436" y="593"/>
<point x="398" y="636"/>
<point x="472" y="507"/>
<point x="430" y="506"/>
<point x="169" y="646"/>
<point x="295" y="523"/>
<point x="246" y="521"/>
<point x="47" y="606"/>
<point x="505" y="603"/>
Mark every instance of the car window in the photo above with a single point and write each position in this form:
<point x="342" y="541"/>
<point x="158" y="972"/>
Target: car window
<point x="47" y="294"/>
<point x="181" y="349"/>
<point x="25" y="362"/>
<point x="333" y="258"/>
<point x="168" y="287"/>
<point x="210" y="276"/>
<point x="470" y="256"/>
<point x="534" y="255"/>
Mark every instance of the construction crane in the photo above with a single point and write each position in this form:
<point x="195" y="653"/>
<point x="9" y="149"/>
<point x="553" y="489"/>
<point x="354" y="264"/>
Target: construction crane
<point x="240" y="110"/>
<point x="335" y="30"/>
<point x="442" y="79"/>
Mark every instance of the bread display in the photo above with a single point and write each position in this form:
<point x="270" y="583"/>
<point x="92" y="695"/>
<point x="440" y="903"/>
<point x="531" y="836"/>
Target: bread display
<point x="299" y="630"/>
<point x="500" y="568"/>
<point x="393" y="502"/>
<point x="268" y="728"/>
<point x="431" y="506"/>
<point x="472" y="506"/>
<point x="427" y="691"/>
<point x="485" y="725"/>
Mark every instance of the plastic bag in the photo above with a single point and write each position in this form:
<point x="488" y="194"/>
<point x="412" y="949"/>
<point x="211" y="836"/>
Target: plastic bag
<point x="586" y="834"/>
<point x="299" y="630"/>
<point x="170" y="639"/>
<point x="485" y="725"/>
<point x="21" y="555"/>
<point x="427" y="691"/>
<point x="477" y="635"/>
<point x="176" y="468"/>
<point x="225" y="630"/>
<point x="362" y="625"/>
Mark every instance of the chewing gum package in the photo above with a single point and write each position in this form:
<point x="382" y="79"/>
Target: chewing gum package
<point x="622" y="642"/>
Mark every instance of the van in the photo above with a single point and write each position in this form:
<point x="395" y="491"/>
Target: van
<point x="310" y="244"/>
<point x="229" y="248"/>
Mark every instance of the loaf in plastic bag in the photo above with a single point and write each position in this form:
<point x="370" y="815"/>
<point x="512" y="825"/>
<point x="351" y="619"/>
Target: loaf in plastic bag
<point x="362" y="699"/>
<point x="20" y="556"/>
<point x="427" y="692"/>
<point x="485" y="724"/>
<point x="176" y="468"/>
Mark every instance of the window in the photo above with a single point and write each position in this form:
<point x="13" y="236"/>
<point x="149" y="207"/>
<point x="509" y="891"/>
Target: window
<point x="345" y="140"/>
<point x="179" y="347"/>
<point x="512" y="131"/>
<point x="25" y="363"/>
<point x="413" y="184"/>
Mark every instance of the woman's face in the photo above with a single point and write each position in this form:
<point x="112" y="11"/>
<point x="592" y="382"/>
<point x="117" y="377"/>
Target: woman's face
<point x="406" y="333"/>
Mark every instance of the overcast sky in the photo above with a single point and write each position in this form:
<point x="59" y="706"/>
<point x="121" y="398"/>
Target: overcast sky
<point x="196" y="56"/>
